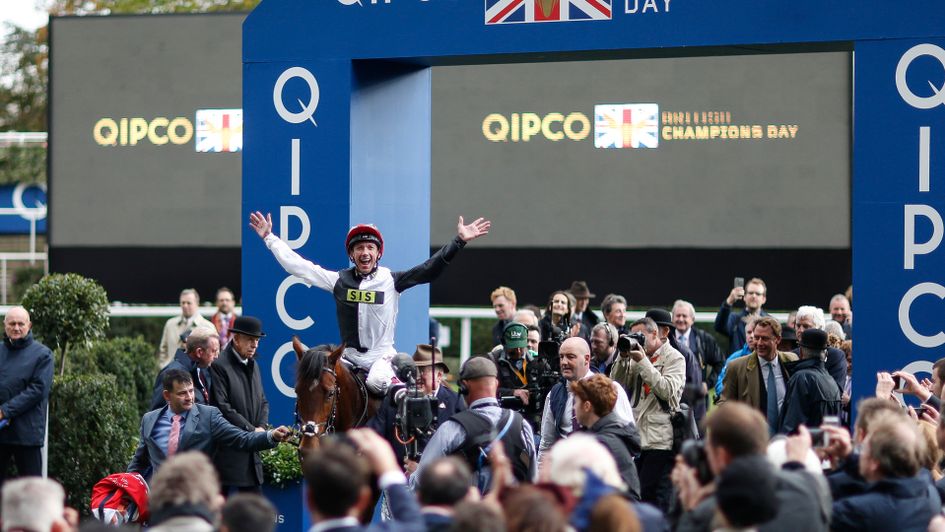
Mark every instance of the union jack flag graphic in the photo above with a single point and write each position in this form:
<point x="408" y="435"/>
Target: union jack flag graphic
<point x="219" y="130"/>
<point x="524" y="11"/>
<point x="631" y="125"/>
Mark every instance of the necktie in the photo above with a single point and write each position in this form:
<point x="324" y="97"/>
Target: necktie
<point x="203" y="385"/>
<point x="575" y="426"/>
<point x="772" y="400"/>
<point x="174" y="438"/>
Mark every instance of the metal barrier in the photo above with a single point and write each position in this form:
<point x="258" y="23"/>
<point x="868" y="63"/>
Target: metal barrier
<point x="464" y="314"/>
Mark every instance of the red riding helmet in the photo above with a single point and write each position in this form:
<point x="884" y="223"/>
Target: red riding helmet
<point x="365" y="233"/>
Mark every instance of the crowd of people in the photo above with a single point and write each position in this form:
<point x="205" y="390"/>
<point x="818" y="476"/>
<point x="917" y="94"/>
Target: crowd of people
<point x="574" y="421"/>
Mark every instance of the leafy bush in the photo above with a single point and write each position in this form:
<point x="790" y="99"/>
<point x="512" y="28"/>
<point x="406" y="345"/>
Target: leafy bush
<point x="130" y="360"/>
<point x="151" y="328"/>
<point x="67" y="310"/>
<point x="281" y="465"/>
<point x="93" y="431"/>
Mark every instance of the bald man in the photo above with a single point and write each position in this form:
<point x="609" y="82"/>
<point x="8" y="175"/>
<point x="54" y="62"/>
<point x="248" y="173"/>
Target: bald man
<point x="24" y="392"/>
<point x="558" y="420"/>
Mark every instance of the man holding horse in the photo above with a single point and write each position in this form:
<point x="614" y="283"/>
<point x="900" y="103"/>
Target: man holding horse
<point x="367" y="295"/>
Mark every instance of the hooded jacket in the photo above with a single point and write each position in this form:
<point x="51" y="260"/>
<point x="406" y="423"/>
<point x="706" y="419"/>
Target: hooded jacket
<point x="623" y="442"/>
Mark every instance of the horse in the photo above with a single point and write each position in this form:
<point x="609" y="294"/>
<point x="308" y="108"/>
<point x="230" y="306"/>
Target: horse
<point x="329" y="397"/>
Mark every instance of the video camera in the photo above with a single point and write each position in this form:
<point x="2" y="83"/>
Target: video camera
<point x="415" y="409"/>
<point x="541" y="374"/>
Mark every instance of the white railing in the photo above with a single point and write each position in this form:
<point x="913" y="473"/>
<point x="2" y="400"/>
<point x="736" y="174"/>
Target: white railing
<point x="464" y="314"/>
<point x="6" y="257"/>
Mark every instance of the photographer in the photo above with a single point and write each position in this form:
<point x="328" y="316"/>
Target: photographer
<point x="558" y="419"/>
<point x="556" y="324"/>
<point x="472" y="433"/>
<point x="654" y="374"/>
<point x="810" y="393"/>
<point x="430" y="380"/>
<point x="512" y="362"/>
<point x="735" y="431"/>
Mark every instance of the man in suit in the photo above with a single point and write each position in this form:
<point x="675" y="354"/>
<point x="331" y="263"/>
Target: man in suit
<point x="183" y="425"/>
<point x="337" y="491"/>
<point x="238" y="392"/>
<point x="760" y="378"/>
<point x="431" y="379"/>
<point x="202" y="347"/>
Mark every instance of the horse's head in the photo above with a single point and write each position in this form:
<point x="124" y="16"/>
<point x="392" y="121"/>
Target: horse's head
<point x="317" y="390"/>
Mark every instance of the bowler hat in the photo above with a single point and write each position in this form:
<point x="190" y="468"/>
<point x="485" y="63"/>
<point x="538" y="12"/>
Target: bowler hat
<point x="515" y="335"/>
<point x="788" y="334"/>
<point x="661" y="317"/>
<point x="425" y="355"/>
<point x="815" y="339"/>
<point x="580" y="289"/>
<point x="478" y="367"/>
<point x="248" y="325"/>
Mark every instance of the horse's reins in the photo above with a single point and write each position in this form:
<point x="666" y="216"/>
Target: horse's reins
<point x="317" y="430"/>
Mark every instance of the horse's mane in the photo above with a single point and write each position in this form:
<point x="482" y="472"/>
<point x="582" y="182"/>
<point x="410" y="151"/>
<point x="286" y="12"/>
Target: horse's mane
<point x="312" y="363"/>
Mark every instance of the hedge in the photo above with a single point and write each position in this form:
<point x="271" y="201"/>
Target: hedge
<point x="93" y="430"/>
<point x="130" y="360"/>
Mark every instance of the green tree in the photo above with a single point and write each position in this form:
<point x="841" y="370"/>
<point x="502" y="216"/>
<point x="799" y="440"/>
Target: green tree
<point x="67" y="309"/>
<point x="23" y="79"/>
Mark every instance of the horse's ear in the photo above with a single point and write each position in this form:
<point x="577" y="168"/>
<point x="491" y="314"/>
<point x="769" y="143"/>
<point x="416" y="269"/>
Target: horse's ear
<point x="299" y="347"/>
<point x="336" y="354"/>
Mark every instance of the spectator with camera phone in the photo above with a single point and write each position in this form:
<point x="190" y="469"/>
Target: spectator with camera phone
<point x="736" y="432"/>
<point x="654" y="373"/>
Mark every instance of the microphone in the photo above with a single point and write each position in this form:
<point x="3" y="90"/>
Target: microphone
<point x="404" y="368"/>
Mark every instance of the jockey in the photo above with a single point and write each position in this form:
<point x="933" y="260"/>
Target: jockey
<point x="367" y="295"/>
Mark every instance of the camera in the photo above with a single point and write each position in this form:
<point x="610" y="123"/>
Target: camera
<point x="415" y="409"/>
<point x="694" y="455"/>
<point x="631" y="342"/>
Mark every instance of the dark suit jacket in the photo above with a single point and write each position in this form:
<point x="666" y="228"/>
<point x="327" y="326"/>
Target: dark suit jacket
<point x="238" y="392"/>
<point x="204" y="431"/>
<point x="383" y="421"/>
<point x="181" y="361"/>
<point x="743" y="380"/>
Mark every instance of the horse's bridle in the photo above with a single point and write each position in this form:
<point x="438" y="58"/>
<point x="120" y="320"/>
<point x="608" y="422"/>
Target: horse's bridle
<point x="317" y="430"/>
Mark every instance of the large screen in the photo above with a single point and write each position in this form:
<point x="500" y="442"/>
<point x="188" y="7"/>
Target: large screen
<point x="146" y="131"/>
<point x="730" y="151"/>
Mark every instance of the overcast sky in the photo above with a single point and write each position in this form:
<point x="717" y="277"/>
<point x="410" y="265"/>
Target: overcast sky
<point x="23" y="13"/>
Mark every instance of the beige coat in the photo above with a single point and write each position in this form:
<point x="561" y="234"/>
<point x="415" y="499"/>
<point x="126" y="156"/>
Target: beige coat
<point x="170" y="338"/>
<point x="666" y="376"/>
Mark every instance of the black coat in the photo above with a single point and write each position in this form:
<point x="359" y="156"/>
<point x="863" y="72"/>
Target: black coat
<point x="26" y="374"/>
<point x="623" y="442"/>
<point x="183" y="362"/>
<point x="383" y="421"/>
<point x="803" y="505"/>
<point x="836" y="365"/>
<point x="901" y="504"/>
<point x="238" y="393"/>
<point x="810" y="394"/>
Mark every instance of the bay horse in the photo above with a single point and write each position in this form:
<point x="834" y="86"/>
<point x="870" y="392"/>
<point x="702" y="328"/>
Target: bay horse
<point x="329" y="397"/>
